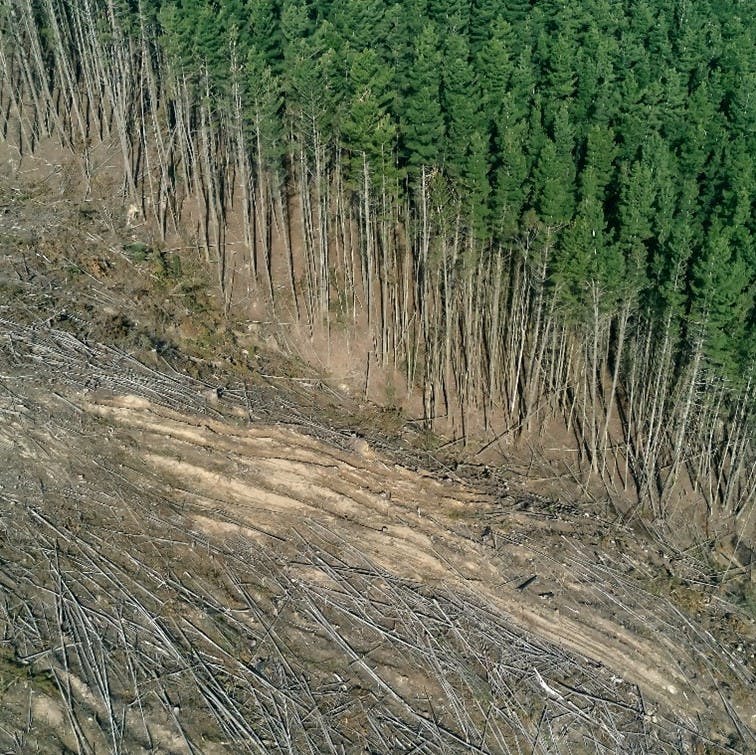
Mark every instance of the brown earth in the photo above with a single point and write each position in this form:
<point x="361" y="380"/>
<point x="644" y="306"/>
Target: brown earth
<point x="206" y="548"/>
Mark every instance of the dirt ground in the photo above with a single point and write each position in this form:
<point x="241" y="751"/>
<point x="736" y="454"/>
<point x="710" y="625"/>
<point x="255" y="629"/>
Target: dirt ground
<point x="205" y="548"/>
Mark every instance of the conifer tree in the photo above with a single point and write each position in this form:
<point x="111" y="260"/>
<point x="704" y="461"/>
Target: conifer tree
<point x="460" y="103"/>
<point x="482" y="15"/>
<point x="263" y="28"/>
<point x="367" y="128"/>
<point x="723" y="291"/>
<point x="511" y="173"/>
<point x="494" y="68"/>
<point x="362" y="24"/>
<point x="422" y="125"/>
<point x="555" y="173"/>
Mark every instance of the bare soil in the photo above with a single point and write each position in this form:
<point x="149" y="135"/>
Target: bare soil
<point x="207" y="548"/>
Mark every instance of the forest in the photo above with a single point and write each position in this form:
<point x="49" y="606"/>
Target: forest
<point x="538" y="211"/>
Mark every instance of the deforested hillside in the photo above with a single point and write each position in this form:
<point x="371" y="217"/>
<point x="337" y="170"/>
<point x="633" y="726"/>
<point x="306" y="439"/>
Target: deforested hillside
<point x="377" y="377"/>
<point x="205" y="551"/>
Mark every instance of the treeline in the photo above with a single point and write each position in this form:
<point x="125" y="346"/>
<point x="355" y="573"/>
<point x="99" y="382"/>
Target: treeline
<point x="537" y="210"/>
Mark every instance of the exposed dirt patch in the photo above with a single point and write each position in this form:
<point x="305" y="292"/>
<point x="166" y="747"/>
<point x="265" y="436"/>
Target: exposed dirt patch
<point x="253" y="546"/>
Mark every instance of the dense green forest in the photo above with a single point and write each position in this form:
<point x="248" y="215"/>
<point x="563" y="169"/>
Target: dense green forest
<point x="538" y="210"/>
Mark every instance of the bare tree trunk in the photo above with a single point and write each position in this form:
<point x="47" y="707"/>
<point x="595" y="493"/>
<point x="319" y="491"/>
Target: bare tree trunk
<point x="623" y="320"/>
<point x="682" y="427"/>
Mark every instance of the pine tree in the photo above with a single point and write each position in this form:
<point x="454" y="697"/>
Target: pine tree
<point x="308" y="89"/>
<point x="511" y="172"/>
<point x="635" y="219"/>
<point x="367" y="128"/>
<point x="422" y="125"/>
<point x="600" y="153"/>
<point x="723" y="290"/>
<point x="588" y="259"/>
<point x="362" y="24"/>
<point x="597" y="98"/>
<point x="460" y="103"/>
<point x="178" y="35"/>
<point x="494" y="68"/>
<point x="476" y="183"/>
<point x="516" y="11"/>
<point x="560" y="76"/>
<point x="296" y="24"/>
<point x="555" y="173"/>
<point x="450" y="15"/>
<point x="263" y="28"/>
<point x="482" y="15"/>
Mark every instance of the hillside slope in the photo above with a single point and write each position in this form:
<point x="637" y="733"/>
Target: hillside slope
<point x="209" y="563"/>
